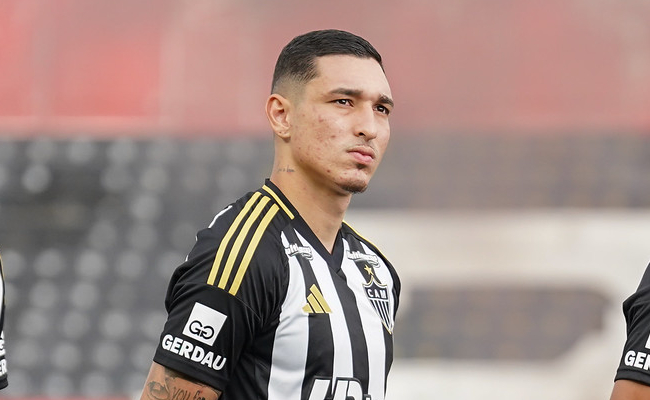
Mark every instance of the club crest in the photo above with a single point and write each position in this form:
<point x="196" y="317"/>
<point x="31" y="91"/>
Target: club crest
<point x="379" y="297"/>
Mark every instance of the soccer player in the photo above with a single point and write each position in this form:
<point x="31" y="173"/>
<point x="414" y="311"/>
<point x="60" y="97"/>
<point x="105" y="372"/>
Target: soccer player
<point x="632" y="381"/>
<point x="3" y="361"/>
<point x="280" y="299"/>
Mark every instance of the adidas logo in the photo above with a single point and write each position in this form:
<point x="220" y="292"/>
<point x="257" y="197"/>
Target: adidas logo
<point x="316" y="303"/>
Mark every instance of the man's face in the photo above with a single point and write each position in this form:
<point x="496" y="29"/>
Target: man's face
<point x="339" y="125"/>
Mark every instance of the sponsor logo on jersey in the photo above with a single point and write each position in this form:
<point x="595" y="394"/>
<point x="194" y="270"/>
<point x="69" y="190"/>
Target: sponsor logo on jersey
<point x="371" y="259"/>
<point x="316" y="303"/>
<point x="637" y="359"/>
<point x="379" y="297"/>
<point x="295" y="250"/>
<point x="193" y="352"/>
<point x="342" y="388"/>
<point x="204" y="324"/>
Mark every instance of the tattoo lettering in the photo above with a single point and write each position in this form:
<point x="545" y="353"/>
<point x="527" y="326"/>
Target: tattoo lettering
<point x="166" y="384"/>
<point x="199" y="395"/>
<point x="286" y="169"/>
<point x="181" y="394"/>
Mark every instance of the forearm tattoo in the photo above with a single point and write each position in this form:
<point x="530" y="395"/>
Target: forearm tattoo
<point x="175" y="386"/>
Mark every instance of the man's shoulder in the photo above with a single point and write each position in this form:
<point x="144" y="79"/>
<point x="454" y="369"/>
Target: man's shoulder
<point x="645" y="279"/>
<point x="244" y="232"/>
<point x="251" y="210"/>
<point x="230" y="212"/>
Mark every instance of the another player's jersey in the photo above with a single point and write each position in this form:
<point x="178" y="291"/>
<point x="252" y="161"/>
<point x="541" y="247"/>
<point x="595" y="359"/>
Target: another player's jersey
<point x="3" y="361"/>
<point x="635" y="362"/>
<point x="261" y="310"/>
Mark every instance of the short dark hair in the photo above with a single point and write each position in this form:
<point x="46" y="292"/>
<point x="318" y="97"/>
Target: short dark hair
<point x="297" y="60"/>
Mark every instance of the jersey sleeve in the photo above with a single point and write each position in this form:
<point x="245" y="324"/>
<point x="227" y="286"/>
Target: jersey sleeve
<point x="3" y="362"/>
<point x="635" y="361"/>
<point x="211" y="327"/>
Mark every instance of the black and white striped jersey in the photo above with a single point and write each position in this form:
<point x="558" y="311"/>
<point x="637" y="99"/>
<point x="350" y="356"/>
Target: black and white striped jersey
<point x="261" y="310"/>
<point x="3" y="361"/>
<point x="635" y="361"/>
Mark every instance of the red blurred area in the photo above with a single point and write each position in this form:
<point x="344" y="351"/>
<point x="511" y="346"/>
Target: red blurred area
<point x="154" y="67"/>
<point x="16" y="78"/>
<point x="105" y="58"/>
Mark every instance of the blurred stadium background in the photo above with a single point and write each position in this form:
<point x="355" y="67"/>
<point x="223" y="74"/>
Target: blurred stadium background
<point x="515" y="197"/>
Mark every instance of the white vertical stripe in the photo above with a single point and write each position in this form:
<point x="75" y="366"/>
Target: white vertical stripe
<point x="373" y="328"/>
<point x="340" y="334"/>
<point x="292" y="338"/>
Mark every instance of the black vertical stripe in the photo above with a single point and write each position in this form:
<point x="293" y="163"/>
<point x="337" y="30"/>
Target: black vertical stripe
<point x="360" y="366"/>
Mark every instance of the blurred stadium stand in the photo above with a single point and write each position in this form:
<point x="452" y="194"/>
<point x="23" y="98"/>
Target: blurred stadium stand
<point x="92" y="231"/>
<point x="125" y="126"/>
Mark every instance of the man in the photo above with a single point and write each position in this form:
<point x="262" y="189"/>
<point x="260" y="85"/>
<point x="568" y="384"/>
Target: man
<point x="633" y="375"/>
<point x="3" y="361"/>
<point x="280" y="299"/>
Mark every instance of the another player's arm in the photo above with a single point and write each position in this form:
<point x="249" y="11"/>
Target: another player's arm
<point x="629" y="390"/>
<point x="166" y="384"/>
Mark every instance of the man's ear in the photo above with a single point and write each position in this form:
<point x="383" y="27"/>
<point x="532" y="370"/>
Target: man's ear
<point x="277" y="111"/>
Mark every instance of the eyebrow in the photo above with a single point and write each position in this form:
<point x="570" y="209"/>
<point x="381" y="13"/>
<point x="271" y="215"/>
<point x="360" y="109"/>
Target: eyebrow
<point x="383" y="99"/>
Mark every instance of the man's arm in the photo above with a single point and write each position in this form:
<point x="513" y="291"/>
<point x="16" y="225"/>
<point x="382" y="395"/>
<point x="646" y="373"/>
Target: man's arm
<point x="630" y="390"/>
<point x="166" y="384"/>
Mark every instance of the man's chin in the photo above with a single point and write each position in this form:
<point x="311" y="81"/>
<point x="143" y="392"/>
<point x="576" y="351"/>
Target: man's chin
<point x="354" y="187"/>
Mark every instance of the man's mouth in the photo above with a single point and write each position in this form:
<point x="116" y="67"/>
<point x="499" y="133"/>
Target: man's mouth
<point x="363" y="155"/>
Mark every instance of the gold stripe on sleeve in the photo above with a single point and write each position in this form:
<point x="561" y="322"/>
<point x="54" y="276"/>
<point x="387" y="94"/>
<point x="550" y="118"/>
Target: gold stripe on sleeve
<point x="236" y="247"/>
<point x="226" y="239"/>
<point x="251" y="248"/>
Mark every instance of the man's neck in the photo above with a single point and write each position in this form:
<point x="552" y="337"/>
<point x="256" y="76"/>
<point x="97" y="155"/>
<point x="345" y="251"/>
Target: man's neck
<point x="320" y="207"/>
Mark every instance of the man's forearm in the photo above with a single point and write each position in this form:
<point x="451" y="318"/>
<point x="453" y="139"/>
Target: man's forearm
<point x="166" y="384"/>
<point x="630" y="390"/>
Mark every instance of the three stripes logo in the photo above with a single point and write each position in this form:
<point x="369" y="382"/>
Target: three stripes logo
<point x="316" y="303"/>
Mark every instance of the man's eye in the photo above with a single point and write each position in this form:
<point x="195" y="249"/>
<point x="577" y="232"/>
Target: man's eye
<point x="382" y="109"/>
<point x="345" y="102"/>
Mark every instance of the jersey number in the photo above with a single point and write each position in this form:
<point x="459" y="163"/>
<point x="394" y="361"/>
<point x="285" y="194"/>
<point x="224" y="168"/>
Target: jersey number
<point x="344" y="389"/>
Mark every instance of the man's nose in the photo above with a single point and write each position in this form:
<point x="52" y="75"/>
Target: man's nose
<point x="366" y="123"/>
